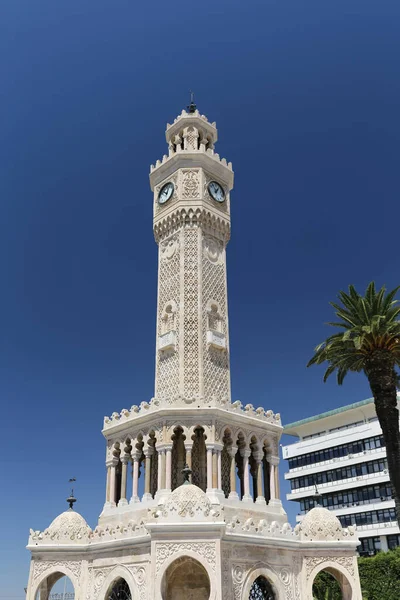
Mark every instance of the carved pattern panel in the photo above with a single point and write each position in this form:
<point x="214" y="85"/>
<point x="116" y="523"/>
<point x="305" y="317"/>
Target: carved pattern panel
<point x="191" y="313"/>
<point x="216" y="362"/>
<point x="167" y="376"/>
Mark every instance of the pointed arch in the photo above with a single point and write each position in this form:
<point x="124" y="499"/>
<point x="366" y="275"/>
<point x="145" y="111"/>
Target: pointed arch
<point x="261" y="570"/>
<point x="119" y="572"/>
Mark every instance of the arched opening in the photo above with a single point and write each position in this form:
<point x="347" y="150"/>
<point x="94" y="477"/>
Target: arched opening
<point x="331" y="584"/>
<point x="261" y="590"/>
<point x="186" y="578"/>
<point x="56" y="586"/>
<point x="178" y="457"/>
<point x="119" y="590"/>
<point x="199" y="460"/>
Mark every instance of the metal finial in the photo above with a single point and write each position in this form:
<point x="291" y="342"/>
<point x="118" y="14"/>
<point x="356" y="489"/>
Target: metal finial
<point x="192" y="107"/>
<point x="71" y="500"/>
<point x="186" y="472"/>
<point x="317" y="497"/>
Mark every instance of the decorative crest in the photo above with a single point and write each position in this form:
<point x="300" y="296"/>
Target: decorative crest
<point x="71" y="500"/>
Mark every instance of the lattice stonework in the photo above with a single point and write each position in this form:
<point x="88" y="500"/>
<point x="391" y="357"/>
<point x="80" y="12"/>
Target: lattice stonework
<point x="216" y="361"/>
<point x="167" y="377"/>
<point x="191" y="312"/>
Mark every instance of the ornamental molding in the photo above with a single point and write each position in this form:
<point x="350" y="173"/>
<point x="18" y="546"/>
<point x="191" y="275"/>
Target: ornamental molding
<point x="199" y="217"/>
<point x="41" y="567"/>
<point x="204" y="550"/>
<point x="312" y="562"/>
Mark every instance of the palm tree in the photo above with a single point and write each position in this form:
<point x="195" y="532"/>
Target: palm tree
<point x="370" y="342"/>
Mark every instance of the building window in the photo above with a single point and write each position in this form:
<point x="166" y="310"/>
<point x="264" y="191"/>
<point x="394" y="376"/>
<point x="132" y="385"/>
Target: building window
<point x="393" y="541"/>
<point x="369" y="517"/>
<point x="336" y="452"/>
<point x="369" y="546"/>
<point x="367" y="468"/>
<point x="356" y="497"/>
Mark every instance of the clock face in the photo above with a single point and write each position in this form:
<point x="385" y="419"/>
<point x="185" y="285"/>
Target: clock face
<point x="216" y="191"/>
<point x="166" y="192"/>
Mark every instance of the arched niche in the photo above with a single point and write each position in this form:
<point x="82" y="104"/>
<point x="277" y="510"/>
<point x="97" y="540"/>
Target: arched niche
<point x="261" y="583"/>
<point x="119" y="590"/>
<point x="56" y="584"/>
<point x="185" y="578"/>
<point x="345" y="581"/>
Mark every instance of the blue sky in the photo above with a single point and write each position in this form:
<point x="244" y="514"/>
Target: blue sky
<point x="306" y="97"/>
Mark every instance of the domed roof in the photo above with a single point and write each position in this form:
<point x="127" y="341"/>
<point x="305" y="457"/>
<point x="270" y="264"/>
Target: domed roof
<point x="69" y="526"/>
<point x="320" y="524"/>
<point x="188" y="500"/>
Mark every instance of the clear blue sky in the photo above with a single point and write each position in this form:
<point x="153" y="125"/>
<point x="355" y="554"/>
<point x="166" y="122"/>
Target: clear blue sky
<point x="306" y="97"/>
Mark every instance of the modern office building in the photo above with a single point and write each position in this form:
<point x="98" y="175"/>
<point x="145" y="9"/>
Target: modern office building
<point x="342" y="452"/>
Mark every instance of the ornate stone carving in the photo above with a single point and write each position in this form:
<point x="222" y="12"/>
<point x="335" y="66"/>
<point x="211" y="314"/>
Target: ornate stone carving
<point x="204" y="550"/>
<point x="213" y="249"/>
<point x="168" y="248"/>
<point x="190" y="184"/>
<point x="74" y="566"/>
<point x="139" y="575"/>
<point x="238" y="574"/>
<point x="311" y="562"/>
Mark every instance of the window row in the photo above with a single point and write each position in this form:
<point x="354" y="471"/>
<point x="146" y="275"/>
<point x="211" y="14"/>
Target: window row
<point x="362" y="495"/>
<point x="366" y="468"/>
<point x="369" y="546"/>
<point x="368" y="518"/>
<point x="336" y="452"/>
<point x="393" y="541"/>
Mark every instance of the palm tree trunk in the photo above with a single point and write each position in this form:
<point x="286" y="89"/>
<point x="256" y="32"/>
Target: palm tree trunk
<point x="382" y="379"/>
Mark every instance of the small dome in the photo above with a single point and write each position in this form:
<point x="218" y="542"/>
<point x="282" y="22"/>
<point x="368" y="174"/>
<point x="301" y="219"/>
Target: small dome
<point x="69" y="526"/>
<point x="320" y="524"/>
<point x="188" y="500"/>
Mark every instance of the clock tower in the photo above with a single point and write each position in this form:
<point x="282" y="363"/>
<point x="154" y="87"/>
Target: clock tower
<point x="191" y="189"/>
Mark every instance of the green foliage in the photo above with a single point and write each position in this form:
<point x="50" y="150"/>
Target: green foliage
<point x="325" y="587"/>
<point x="369" y="324"/>
<point x="380" y="576"/>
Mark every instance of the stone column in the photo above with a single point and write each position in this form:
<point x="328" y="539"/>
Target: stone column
<point x="271" y="480"/>
<point x="246" y="454"/>
<point x="148" y="452"/>
<point x="113" y="465"/>
<point x="168" y="467"/>
<point x="124" y="460"/>
<point x="189" y="448"/>
<point x="233" y="495"/>
<point x="160" y="469"/>
<point x="277" y="491"/>
<point x="215" y="469"/>
<point x="260" y="497"/>
<point x="108" y="483"/>
<point x="209" y="467"/>
<point x="135" y="480"/>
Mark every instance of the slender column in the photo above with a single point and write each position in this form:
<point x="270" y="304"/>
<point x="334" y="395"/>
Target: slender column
<point x="189" y="448"/>
<point x="135" y="479"/>
<point x="108" y="483"/>
<point x="219" y="466"/>
<point x="271" y="478"/>
<point x="114" y="463"/>
<point x="124" y="461"/>
<point x="246" y="454"/>
<point x="215" y="469"/>
<point x="260" y="498"/>
<point x="168" y="465"/>
<point x="160" y="469"/>
<point x="232" y="453"/>
<point x="209" y="468"/>
<point x="148" y="452"/>
<point x="277" y="491"/>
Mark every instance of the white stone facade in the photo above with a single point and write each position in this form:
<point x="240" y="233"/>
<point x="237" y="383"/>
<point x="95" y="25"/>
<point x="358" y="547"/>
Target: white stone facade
<point x="224" y="533"/>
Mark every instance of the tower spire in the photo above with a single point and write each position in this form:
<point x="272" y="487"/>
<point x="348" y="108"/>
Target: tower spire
<point x="71" y="500"/>
<point x="192" y="106"/>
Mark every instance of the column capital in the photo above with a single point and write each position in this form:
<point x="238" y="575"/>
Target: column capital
<point x="214" y="446"/>
<point x="232" y="451"/>
<point x="273" y="460"/>
<point x="136" y="455"/>
<point x="258" y="456"/>
<point x="148" y="451"/>
<point x="125" y="458"/>
<point x="112" y="462"/>
<point x="245" y="452"/>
